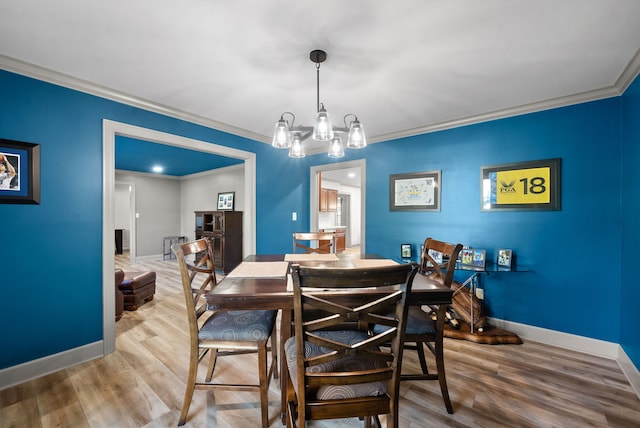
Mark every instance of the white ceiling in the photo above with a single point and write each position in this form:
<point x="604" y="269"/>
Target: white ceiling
<point x="404" y="67"/>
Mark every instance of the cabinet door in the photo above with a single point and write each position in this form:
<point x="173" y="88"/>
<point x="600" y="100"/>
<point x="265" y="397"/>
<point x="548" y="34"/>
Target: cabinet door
<point x="332" y="200"/>
<point x="323" y="200"/>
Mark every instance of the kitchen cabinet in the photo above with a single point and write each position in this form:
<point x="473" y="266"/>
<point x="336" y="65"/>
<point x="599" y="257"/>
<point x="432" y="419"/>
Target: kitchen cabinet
<point x="341" y="237"/>
<point x="328" y="200"/>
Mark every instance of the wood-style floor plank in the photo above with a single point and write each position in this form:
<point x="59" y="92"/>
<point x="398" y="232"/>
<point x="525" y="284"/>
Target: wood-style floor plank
<point x="142" y="383"/>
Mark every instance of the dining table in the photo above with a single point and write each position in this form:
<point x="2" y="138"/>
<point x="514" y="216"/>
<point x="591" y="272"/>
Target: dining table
<point x="263" y="282"/>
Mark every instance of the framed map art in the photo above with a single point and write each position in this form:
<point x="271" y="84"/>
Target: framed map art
<point x="418" y="191"/>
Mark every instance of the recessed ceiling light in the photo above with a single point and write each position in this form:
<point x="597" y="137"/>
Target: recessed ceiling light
<point x="352" y="174"/>
<point x="157" y="168"/>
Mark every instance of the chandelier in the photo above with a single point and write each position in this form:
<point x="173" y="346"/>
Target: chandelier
<point x="285" y="136"/>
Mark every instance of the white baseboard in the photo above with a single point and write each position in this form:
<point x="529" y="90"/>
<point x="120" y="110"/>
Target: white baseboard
<point x="33" y="369"/>
<point x="630" y="371"/>
<point x="43" y="366"/>
<point x="582" y="344"/>
<point x="151" y="258"/>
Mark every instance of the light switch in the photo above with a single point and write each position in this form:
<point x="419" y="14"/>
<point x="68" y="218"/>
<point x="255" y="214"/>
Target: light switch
<point x="294" y="216"/>
<point x="137" y="215"/>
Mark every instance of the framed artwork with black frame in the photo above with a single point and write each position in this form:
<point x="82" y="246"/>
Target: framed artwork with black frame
<point x="19" y="172"/>
<point x="523" y="186"/>
<point x="226" y="201"/>
<point x="419" y="191"/>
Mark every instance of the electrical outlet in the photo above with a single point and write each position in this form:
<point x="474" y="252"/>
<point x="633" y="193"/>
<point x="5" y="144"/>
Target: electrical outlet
<point x="480" y="293"/>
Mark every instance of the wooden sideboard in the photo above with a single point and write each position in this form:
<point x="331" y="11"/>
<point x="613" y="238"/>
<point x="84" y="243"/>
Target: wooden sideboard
<point x="225" y="228"/>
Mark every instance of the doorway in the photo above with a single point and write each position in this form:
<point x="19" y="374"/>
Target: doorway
<point x="110" y="130"/>
<point x="356" y="201"/>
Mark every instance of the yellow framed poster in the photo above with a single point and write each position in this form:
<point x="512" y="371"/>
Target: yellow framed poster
<point x="533" y="185"/>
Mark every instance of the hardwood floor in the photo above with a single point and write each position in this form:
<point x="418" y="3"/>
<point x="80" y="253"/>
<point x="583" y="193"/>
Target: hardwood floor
<point x="142" y="383"/>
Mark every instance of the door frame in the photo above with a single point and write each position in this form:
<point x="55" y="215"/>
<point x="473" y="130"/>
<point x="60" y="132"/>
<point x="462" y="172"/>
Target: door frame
<point x="111" y="129"/>
<point x="315" y="197"/>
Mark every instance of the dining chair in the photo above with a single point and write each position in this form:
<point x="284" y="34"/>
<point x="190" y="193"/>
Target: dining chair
<point x="438" y="261"/>
<point x="345" y="373"/>
<point x="314" y="242"/>
<point x="221" y="333"/>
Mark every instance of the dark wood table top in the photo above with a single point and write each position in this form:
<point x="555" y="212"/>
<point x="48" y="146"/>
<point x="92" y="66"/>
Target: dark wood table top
<point x="272" y="293"/>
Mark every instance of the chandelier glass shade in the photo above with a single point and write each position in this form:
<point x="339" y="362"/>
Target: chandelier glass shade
<point x="286" y="136"/>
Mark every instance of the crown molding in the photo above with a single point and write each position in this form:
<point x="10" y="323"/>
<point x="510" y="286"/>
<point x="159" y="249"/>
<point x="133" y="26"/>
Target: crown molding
<point x="20" y="67"/>
<point x="502" y="114"/>
<point x="30" y="70"/>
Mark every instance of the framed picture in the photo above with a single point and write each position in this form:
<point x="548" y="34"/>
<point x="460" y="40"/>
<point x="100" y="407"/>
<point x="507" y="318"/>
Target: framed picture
<point x="436" y="256"/>
<point x="473" y="259"/>
<point x="405" y="251"/>
<point x="504" y="258"/>
<point x="19" y="172"/>
<point x="226" y="201"/>
<point x="418" y="191"/>
<point x="521" y="186"/>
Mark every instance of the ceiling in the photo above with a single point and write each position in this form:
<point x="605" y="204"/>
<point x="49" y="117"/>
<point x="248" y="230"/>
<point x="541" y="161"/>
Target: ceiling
<point x="404" y="67"/>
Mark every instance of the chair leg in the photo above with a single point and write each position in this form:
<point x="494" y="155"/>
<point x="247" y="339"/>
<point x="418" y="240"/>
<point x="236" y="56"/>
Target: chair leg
<point x="191" y="385"/>
<point x="264" y="384"/>
<point x="212" y="364"/>
<point x="274" y="356"/>
<point x="421" y="357"/>
<point x="439" y="354"/>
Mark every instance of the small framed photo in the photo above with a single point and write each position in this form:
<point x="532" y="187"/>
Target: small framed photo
<point x="473" y="259"/>
<point x="436" y="256"/>
<point x="226" y="201"/>
<point x="19" y="172"/>
<point x="405" y="251"/>
<point x="504" y="258"/>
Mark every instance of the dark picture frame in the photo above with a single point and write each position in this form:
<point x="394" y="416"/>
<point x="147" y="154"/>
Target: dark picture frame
<point x="419" y="191"/>
<point x="19" y="173"/>
<point x="521" y="186"/>
<point x="405" y="251"/>
<point x="505" y="256"/>
<point x="226" y="201"/>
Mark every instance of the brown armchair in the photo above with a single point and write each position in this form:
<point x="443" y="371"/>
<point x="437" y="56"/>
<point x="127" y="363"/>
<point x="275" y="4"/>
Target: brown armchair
<point x="119" y="295"/>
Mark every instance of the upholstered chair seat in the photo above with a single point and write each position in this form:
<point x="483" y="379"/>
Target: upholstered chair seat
<point x="238" y="325"/>
<point x="346" y="364"/>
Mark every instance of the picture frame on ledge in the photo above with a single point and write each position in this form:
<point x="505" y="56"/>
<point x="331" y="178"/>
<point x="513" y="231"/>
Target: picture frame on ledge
<point x="473" y="259"/>
<point x="405" y="251"/>
<point x="226" y="201"/>
<point x="505" y="257"/>
<point x="19" y="172"/>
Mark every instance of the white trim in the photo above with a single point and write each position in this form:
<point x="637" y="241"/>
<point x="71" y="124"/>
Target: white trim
<point x="24" y="372"/>
<point x="50" y="76"/>
<point x="630" y="371"/>
<point x="574" y="342"/>
<point x="26" y="69"/>
<point x="110" y="130"/>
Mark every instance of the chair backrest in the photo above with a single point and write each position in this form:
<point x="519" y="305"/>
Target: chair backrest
<point x="198" y="278"/>
<point x="325" y="242"/>
<point x="362" y="296"/>
<point x="442" y="267"/>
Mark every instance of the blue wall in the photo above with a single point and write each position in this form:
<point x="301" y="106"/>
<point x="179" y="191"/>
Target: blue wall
<point x="51" y="281"/>
<point x="53" y="250"/>
<point x="630" y="292"/>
